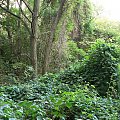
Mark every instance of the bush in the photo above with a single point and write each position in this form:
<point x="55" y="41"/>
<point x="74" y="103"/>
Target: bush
<point x="100" y="66"/>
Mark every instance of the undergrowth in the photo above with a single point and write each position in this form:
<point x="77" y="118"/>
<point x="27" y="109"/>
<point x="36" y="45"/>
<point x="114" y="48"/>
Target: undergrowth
<point x="49" y="99"/>
<point x="73" y="94"/>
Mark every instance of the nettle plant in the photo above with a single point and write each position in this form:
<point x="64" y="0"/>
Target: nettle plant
<point x="100" y="67"/>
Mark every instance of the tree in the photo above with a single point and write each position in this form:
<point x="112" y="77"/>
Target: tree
<point x="55" y="22"/>
<point x="32" y="28"/>
<point x="33" y="37"/>
<point x="51" y="19"/>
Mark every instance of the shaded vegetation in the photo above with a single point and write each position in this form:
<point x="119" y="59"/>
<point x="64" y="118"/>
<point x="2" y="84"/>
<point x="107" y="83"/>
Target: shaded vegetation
<point x="48" y="98"/>
<point x="69" y="95"/>
<point x="58" y="62"/>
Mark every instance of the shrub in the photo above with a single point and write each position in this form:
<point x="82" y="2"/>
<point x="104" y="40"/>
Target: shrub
<point x="100" y="66"/>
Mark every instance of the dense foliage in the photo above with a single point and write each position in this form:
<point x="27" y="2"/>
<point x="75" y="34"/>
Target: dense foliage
<point x="58" y="62"/>
<point x="69" y="95"/>
<point x="99" y="68"/>
<point x="50" y="99"/>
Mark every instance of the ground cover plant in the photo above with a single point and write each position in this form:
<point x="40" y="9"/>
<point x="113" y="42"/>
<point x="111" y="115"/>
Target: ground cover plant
<point x="38" y="100"/>
<point x="68" y="95"/>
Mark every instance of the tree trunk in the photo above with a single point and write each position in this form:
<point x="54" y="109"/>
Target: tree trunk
<point x="53" y="29"/>
<point x="19" y="34"/>
<point x="8" y="29"/>
<point x="77" y="31"/>
<point x="33" y="37"/>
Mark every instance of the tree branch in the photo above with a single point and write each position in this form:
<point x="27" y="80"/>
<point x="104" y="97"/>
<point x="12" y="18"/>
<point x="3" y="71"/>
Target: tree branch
<point x="28" y="6"/>
<point x="57" y="17"/>
<point x="9" y="12"/>
<point x="16" y="17"/>
<point x="2" y="2"/>
<point x="23" y="12"/>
